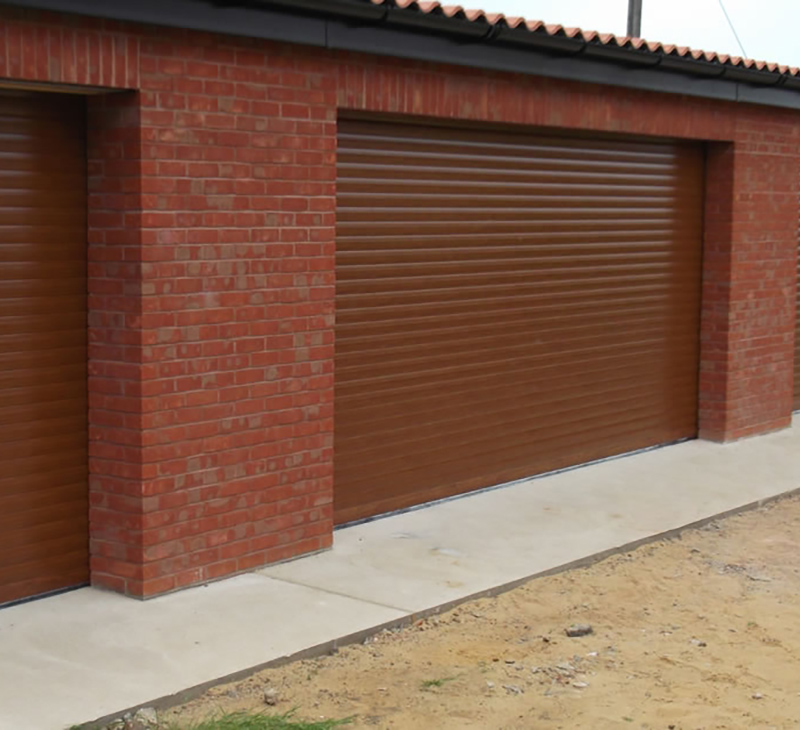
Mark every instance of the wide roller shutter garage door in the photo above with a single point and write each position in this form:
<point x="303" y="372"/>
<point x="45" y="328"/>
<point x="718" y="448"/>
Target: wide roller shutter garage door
<point x="508" y="304"/>
<point x="43" y="431"/>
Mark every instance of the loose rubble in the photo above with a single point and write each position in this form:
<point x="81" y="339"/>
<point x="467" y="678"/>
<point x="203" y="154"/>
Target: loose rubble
<point x="577" y="630"/>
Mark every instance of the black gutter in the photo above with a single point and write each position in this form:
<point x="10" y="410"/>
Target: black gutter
<point x="354" y="25"/>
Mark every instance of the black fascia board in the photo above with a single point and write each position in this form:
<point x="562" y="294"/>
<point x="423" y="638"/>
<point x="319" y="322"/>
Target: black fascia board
<point x="383" y="30"/>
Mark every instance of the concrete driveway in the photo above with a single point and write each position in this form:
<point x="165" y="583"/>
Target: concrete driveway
<point x="89" y="654"/>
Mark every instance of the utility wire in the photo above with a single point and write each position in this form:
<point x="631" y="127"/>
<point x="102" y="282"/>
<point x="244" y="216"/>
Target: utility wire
<point x="736" y="35"/>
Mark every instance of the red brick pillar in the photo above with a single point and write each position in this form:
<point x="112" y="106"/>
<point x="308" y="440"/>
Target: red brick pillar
<point x="238" y="206"/>
<point x="749" y="284"/>
<point x="115" y="342"/>
<point x="212" y="244"/>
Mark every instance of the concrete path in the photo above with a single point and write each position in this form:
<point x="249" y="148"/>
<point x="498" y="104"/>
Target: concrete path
<point x="88" y="654"/>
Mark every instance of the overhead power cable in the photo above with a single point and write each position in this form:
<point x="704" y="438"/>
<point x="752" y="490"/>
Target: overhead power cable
<point x="736" y="35"/>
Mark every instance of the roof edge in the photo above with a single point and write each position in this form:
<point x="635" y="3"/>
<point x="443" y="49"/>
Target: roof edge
<point x="371" y="26"/>
<point x="496" y="28"/>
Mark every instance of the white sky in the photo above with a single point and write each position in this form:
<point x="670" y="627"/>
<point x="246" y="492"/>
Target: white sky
<point x="768" y="29"/>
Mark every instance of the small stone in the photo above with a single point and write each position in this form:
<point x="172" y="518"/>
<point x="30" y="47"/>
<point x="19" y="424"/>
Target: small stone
<point x="511" y="661"/>
<point x="513" y="689"/>
<point x="577" y="630"/>
<point x="489" y="685"/>
<point x="698" y="642"/>
<point x="147" y="716"/>
<point x="580" y="685"/>
<point x="271" y="696"/>
<point x="758" y="696"/>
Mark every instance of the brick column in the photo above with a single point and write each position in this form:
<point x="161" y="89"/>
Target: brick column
<point x="716" y="301"/>
<point x="237" y="308"/>
<point x="115" y="342"/>
<point x="749" y="283"/>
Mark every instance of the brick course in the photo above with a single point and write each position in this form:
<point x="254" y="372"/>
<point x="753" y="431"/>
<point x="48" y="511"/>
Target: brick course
<point x="212" y="242"/>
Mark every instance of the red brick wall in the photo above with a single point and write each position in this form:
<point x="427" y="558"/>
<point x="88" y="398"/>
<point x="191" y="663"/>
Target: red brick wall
<point x="62" y="49"/>
<point x="212" y="272"/>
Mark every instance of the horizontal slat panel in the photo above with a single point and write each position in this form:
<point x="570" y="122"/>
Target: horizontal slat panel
<point x="43" y="483"/>
<point x="40" y="327"/>
<point x="509" y="465"/>
<point x="392" y="314"/>
<point x="463" y="403"/>
<point x="455" y="452"/>
<point x="507" y="304"/>
<point x="459" y="325"/>
<point x="65" y="443"/>
<point x="50" y="518"/>
<point x="21" y="579"/>
<point x="62" y="290"/>
<point x="45" y="426"/>
<point x="34" y="412"/>
<point x="43" y="341"/>
<point x="462" y="426"/>
<point x="26" y="364"/>
<point x="378" y="365"/>
<point x="25" y="468"/>
<point x="410" y="386"/>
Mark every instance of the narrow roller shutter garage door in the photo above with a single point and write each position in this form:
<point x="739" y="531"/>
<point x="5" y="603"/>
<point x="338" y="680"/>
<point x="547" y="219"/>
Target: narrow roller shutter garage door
<point x="507" y="304"/>
<point x="43" y="431"/>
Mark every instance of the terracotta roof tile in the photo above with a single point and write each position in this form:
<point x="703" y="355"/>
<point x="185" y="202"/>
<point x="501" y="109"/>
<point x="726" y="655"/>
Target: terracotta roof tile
<point x="432" y="7"/>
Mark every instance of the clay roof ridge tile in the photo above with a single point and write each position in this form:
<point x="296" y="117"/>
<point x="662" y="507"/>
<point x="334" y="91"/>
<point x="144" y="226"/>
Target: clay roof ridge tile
<point x="430" y="7"/>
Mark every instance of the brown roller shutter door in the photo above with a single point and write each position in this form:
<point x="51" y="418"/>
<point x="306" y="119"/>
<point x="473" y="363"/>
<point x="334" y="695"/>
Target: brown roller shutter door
<point x="507" y="305"/>
<point x="43" y="428"/>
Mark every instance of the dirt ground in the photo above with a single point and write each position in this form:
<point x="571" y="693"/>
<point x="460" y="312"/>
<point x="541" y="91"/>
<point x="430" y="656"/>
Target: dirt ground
<point x="701" y="631"/>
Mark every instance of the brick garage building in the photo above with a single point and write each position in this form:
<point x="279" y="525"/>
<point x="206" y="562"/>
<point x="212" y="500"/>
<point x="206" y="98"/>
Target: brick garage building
<point x="553" y="246"/>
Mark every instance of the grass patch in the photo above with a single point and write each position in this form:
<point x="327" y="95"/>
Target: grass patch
<point x="431" y="683"/>
<point x="258" y="721"/>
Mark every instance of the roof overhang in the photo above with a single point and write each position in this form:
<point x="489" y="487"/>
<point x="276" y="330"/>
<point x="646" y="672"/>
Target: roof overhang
<point x="355" y="25"/>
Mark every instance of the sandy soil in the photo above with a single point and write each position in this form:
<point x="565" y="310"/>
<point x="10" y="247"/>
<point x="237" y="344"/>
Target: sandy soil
<point x="701" y="631"/>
